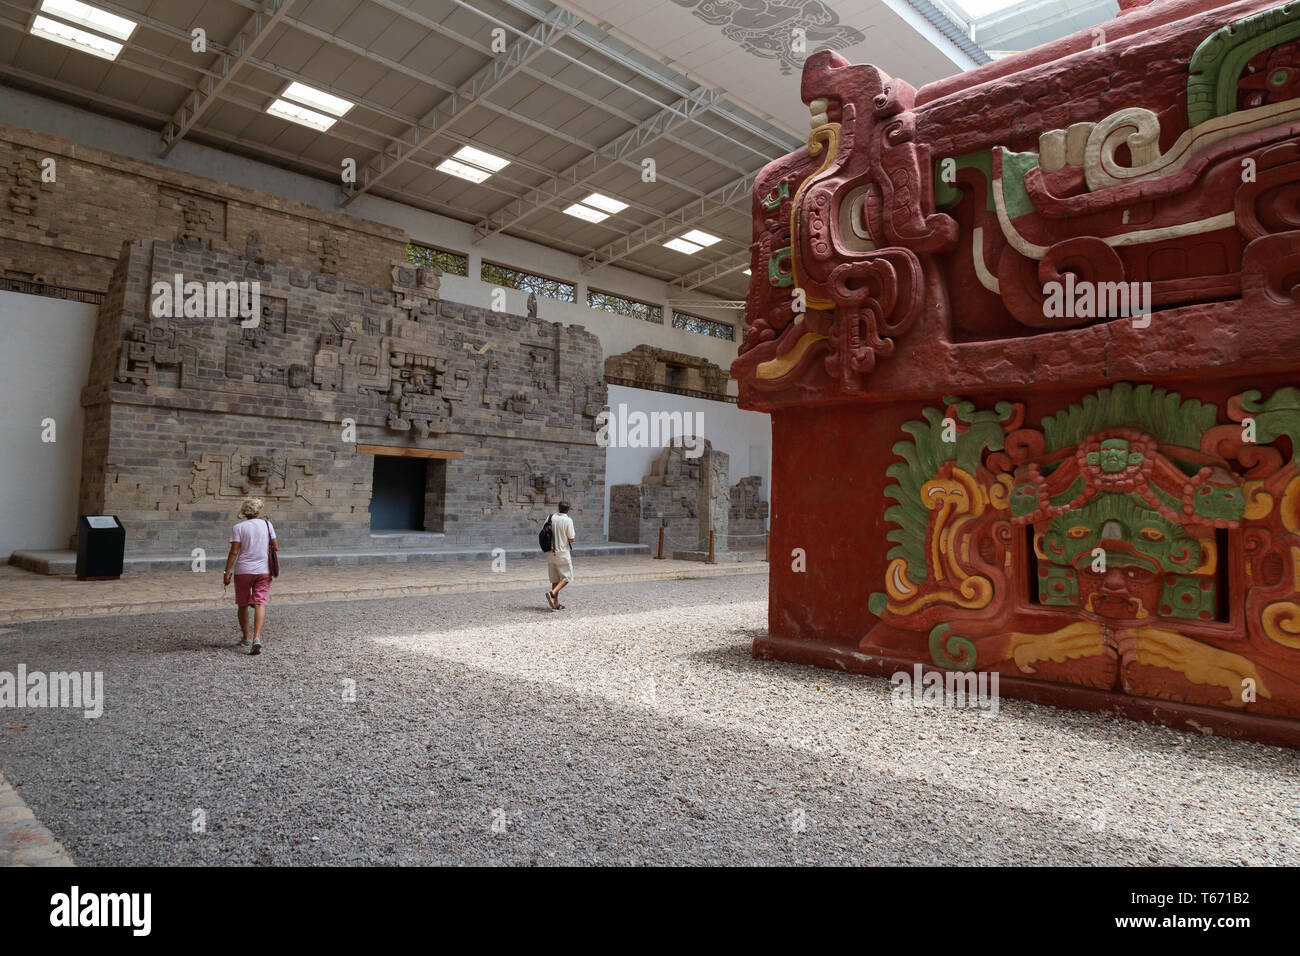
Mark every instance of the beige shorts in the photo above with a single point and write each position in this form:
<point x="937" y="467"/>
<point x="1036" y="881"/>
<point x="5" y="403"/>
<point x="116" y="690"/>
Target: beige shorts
<point x="559" y="567"/>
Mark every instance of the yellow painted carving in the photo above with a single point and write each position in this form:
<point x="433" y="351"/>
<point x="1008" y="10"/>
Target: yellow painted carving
<point x="999" y="493"/>
<point x="828" y="133"/>
<point x="1080" y="639"/>
<point x="1281" y="619"/>
<point x="781" y="365"/>
<point x="1038" y="547"/>
<point x="897" y="585"/>
<point x="1199" y="663"/>
<point x="957" y="500"/>
<point x="973" y="593"/>
<point x="1281" y="622"/>
<point x="1259" y="504"/>
<point x="957" y="495"/>
<point x="1209" y="557"/>
<point x="1289" y="504"/>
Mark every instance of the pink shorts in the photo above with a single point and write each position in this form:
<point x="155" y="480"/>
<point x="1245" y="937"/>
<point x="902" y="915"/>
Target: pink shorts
<point x="252" y="589"/>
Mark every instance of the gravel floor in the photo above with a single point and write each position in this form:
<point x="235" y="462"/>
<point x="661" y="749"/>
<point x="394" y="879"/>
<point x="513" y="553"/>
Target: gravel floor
<point x="634" y="727"/>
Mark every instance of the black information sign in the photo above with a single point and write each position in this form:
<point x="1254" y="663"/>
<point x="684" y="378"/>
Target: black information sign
<point x="101" y="544"/>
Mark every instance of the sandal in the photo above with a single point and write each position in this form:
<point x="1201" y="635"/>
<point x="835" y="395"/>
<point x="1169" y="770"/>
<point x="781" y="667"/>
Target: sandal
<point x="550" y="599"/>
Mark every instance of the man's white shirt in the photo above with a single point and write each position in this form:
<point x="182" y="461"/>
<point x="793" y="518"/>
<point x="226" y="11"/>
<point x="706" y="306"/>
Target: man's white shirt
<point x="561" y="531"/>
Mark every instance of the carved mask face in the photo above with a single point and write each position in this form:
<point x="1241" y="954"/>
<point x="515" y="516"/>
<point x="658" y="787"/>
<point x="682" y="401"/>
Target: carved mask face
<point x="1024" y="498"/>
<point x="1127" y="589"/>
<point x="1113" y="456"/>
<point x="1130" y="563"/>
<point x="259" y="470"/>
<point x="1114" y="522"/>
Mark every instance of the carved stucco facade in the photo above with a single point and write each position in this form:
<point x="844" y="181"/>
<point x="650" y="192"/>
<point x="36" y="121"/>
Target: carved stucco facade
<point x="1096" y="501"/>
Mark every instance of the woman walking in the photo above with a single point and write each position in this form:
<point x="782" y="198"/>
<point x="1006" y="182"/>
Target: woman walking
<point x="249" y="562"/>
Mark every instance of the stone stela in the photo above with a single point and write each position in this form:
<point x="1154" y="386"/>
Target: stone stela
<point x="688" y="497"/>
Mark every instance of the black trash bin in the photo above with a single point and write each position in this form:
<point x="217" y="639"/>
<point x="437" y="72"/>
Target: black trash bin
<point x="101" y="545"/>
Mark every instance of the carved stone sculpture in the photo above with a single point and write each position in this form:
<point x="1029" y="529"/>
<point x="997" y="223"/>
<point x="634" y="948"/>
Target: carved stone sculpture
<point x="253" y="248"/>
<point x="1049" y="353"/>
<point x="688" y="494"/>
<point x="648" y="365"/>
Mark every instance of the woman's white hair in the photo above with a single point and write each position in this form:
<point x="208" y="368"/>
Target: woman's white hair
<point x="251" y="508"/>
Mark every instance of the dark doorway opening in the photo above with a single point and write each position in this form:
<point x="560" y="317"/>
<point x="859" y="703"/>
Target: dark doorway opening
<point x="398" y="493"/>
<point x="1222" y="581"/>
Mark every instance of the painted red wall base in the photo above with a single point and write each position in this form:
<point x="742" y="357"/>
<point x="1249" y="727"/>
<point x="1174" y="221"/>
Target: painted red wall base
<point x="1277" y="731"/>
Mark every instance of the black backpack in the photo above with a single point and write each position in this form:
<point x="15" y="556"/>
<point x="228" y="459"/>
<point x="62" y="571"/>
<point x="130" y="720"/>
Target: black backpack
<point x="546" y="538"/>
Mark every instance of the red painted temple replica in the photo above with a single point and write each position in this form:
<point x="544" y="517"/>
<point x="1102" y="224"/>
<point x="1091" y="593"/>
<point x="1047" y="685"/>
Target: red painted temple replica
<point x="1030" y="340"/>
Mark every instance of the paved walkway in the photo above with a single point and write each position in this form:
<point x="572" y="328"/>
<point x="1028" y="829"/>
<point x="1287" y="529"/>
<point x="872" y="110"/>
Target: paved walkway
<point x="25" y="596"/>
<point x="23" y="841"/>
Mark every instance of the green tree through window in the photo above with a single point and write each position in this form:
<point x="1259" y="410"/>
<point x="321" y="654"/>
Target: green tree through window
<point x="451" y="263"/>
<point x="693" y="323"/>
<point x="527" y="282"/>
<point x="633" y="308"/>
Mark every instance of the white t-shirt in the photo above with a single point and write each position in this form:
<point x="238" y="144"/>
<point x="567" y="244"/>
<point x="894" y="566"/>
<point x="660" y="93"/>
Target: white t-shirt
<point x="561" y="532"/>
<point x="252" y="537"/>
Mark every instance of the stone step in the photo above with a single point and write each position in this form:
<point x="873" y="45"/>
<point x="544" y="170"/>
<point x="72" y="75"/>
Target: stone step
<point x="721" y="557"/>
<point x="65" y="562"/>
<point x="431" y="540"/>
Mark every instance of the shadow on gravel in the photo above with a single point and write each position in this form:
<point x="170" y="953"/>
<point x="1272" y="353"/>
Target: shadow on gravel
<point x="413" y="770"/>
<point x="738" y="658"/>
<point x="529" y="608"/>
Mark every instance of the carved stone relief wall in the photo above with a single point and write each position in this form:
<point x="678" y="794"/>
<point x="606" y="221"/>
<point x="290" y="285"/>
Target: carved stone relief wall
<point x="69" y="231"/>
<point x="187" y="414"/>
<point x="678" y="493"/>
<point x="648" y="365"/>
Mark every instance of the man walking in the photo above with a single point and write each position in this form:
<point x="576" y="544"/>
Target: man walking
<point x="559" y="563"/>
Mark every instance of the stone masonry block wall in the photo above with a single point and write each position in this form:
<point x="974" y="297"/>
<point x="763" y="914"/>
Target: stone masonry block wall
<point x="186" y="415"/>
<point x="647" y="365"/>
<point x="625" y="516"/>
<point x="670" y="497"/>
<point x="69" y="232"/>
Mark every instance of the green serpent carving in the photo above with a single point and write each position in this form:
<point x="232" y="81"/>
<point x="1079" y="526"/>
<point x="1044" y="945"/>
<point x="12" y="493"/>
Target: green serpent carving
<point x="957" y="653"/>
<point x="1217" y="64"/>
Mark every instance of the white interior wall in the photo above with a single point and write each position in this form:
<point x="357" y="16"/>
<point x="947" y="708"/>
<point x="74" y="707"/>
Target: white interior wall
<point x="617" y="333"/>
<point x="43" y="367"/>
<point x="745" y="436"/>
